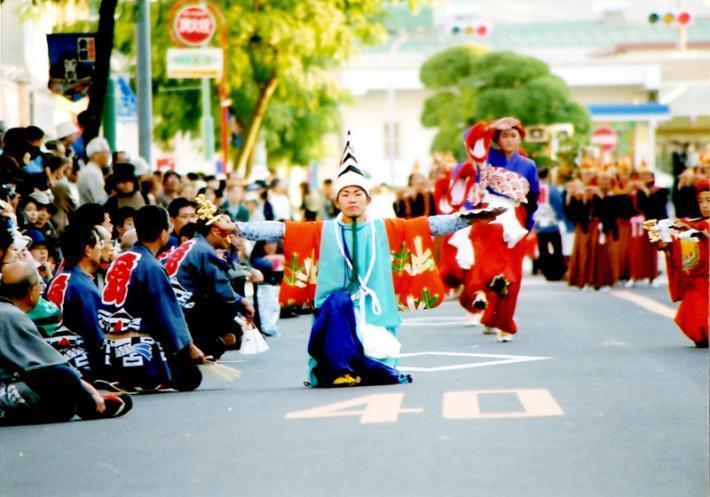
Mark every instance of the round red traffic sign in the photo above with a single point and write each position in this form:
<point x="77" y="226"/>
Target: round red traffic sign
<point x="605" y="137"/>
<point x="194" y="25"/>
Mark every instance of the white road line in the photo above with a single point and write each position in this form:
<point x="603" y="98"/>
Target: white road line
<point x="497" y="360"/>
<point x="647" y="303"/>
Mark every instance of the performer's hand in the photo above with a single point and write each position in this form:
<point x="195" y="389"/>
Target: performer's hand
<point x="96" y="396"/>
<point x="225" y="224"/>
<point x="255" y="276"/>
<point x="196" y="354"/>
<point x="247" y="309"/>
<point x="505" y="123"/>
<point x="681" y="225"/>
<point x="482" y="215"/>
<point x="663" y="246"/>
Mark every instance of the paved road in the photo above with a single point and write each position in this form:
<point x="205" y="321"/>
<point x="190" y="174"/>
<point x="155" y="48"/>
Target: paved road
<point x="597" y="396"/>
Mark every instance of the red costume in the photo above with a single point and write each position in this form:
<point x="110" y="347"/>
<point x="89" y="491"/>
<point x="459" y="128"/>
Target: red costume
<point x="492" y="281"/>
<point x="688" y="264"/>
<point x="644" y="260"/>
<point x="688" y="272"/>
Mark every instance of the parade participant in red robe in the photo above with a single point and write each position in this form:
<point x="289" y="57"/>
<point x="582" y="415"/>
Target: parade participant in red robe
<point x="604" y="214"/>
<point x="577" y="207"/>
<point x="625" y="211"/>
<point x="507" y="179"/>
<point x="688" y="265"/>
<point x="650" y="202"/>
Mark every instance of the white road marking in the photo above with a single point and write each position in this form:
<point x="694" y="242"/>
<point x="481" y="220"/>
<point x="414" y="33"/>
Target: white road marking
<point x="376" y="408"/>
<point x="647" y="303"/>
<point x="535" y="403"/>
<point x="498" y="360"/>
<point x="434" y="321"/>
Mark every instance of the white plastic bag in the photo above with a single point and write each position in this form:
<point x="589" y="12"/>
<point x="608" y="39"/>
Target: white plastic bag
<point x="252" y="341"/>
<point x="378" y="342"/>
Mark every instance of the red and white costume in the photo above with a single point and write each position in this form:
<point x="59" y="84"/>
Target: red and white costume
<point x="495" y="251"/>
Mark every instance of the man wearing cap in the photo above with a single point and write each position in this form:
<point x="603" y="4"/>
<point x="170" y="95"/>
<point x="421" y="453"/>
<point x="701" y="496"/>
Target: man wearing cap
<point x="45" y="211"/>
<point x="67" y="134"/>
<point x="40" y="253"/>
<point x="357" y="272"/>
<point x="91" y="177"/>
<point x="200" y="280"/>
<point x="123" y="182"/>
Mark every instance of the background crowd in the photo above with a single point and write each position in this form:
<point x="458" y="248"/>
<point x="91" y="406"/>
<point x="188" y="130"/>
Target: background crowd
<point x="589" y="227"/>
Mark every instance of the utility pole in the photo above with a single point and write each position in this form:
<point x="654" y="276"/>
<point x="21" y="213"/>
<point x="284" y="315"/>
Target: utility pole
<point x="682" y="30"/>
<point x="207" y="121"/>
<point x="144" y="96"/>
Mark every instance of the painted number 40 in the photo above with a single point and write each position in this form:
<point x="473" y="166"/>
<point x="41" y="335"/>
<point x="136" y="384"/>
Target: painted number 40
<point x="386" y="407"/>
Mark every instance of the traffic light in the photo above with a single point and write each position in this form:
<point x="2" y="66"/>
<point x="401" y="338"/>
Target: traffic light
<point x="682" y="18"/>
<point x="479" y="29"/>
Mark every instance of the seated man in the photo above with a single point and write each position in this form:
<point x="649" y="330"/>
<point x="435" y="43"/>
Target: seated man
<point x="79" y="337"/>
<point x="148" y="344"/>
<point x="36" y="383"/>
<point x="200" y="280"/>
<point x="182" y="212"/>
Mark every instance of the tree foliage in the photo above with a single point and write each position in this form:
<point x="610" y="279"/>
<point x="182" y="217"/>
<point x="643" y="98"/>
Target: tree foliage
<point x="473" y="85"/>
<point x="280" y="60"/>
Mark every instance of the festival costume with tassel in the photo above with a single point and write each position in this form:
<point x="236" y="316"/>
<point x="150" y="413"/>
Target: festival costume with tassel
<point x="357" y="276"/>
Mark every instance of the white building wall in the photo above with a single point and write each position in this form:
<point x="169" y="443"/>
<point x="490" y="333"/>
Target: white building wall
<point x="366" y="120"/>
<point x="24" y="71"/>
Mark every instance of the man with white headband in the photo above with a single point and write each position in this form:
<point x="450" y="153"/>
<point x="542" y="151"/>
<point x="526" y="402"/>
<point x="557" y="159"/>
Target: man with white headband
<point x="358" y="272"/>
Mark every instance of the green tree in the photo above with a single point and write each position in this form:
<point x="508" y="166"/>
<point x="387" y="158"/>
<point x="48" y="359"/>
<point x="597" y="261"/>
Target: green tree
<point x="473" y="85"/>
<point x="281" y="56"/>
<point x="280" y="61"/>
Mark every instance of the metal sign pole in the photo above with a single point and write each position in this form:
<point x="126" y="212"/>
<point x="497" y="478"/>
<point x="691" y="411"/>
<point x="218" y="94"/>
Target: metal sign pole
<point x="144" y="96"/>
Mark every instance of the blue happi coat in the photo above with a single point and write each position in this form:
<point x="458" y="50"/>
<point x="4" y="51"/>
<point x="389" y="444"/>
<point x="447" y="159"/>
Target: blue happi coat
<point x="199" y="275"/>
<point x="138" y="297"/>
<point x="78" y="298"/>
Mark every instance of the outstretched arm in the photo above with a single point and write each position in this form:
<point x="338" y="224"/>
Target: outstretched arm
<point x="449" y="223"/>
<point x="267" y="231"/>
<point x="445" y="224"/>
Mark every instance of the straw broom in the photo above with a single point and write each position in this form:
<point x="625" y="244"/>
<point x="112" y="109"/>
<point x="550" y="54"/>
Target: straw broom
<point x="220" y="371"/>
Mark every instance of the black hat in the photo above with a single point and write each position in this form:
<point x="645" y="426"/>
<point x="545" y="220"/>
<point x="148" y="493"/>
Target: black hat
<point x="124" y="172"/>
